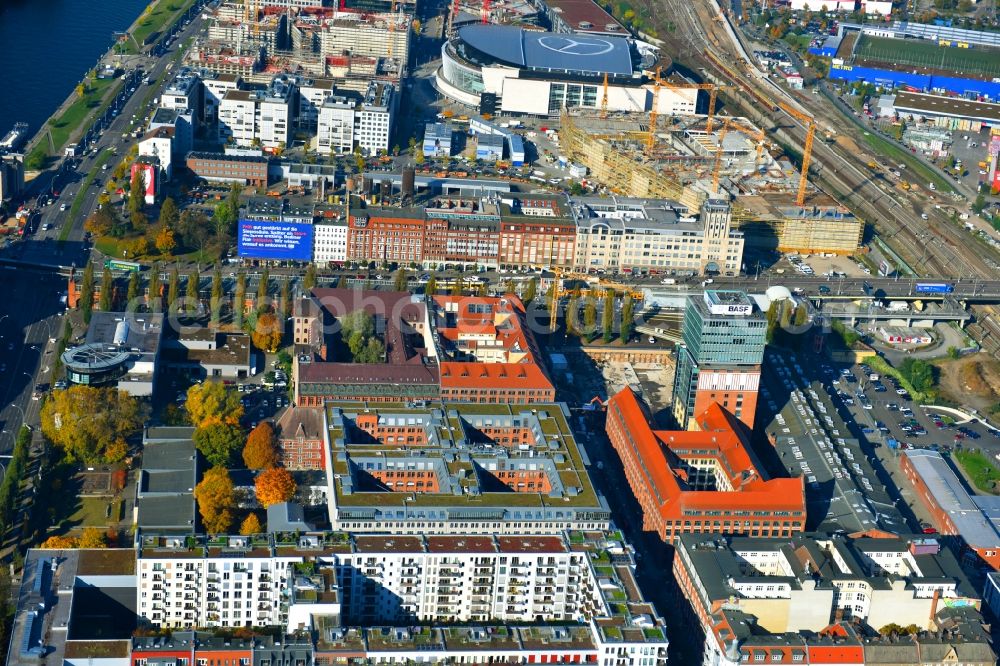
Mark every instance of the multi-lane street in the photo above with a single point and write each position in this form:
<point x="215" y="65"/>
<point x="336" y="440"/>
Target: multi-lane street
<point x="111" y="132"/>
<point x="30" y="322"/>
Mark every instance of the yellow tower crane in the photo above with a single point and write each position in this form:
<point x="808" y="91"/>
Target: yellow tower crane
<point x="810" y="124"/>
<point x="654" y="112"/>
<point x="392" y="30"/>
<point x="717" y="167"/>
<point x="604" y="99"/>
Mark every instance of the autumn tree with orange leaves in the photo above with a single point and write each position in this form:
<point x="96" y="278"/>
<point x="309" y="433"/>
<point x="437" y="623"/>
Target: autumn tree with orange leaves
<point x="274" y="486"/>
<point x="260" y="451"/>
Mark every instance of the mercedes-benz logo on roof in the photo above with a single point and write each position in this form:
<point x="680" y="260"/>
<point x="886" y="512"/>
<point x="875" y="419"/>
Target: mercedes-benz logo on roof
<point x="575" y="46"/>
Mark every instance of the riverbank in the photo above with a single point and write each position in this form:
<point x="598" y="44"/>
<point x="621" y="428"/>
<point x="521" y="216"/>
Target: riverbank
<point x="69" y="122"/>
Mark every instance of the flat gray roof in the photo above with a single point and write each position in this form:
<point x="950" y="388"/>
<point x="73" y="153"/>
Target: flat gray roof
<point x="952" y="107"/>
<point x="951" y="496"/>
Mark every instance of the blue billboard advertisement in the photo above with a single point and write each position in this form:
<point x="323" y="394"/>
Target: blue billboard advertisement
<point x="275" y="240"/>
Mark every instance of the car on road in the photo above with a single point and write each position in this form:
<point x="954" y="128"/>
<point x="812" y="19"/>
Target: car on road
<point x="62" y="207"/>
<point x="823" y="289"/>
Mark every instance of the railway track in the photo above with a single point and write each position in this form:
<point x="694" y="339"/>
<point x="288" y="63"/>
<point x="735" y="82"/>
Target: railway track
<point x="933" y="246"/>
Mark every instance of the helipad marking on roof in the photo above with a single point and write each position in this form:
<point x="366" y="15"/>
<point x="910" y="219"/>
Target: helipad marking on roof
<point x="577" y="47"/>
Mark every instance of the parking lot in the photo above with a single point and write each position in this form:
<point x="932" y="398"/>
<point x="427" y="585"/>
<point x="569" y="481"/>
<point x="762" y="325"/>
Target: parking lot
<point x="846" y="486"/>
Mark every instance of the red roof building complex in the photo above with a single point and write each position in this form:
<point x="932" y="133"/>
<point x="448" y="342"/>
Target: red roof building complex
<point x="454" y="348"/>
<point x="487" y="353"/>
<point x="705" y="480"/>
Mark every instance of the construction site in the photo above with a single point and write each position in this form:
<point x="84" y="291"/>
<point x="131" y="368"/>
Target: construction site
<point x="255" y="41"/>
<point x="690" y="158"/>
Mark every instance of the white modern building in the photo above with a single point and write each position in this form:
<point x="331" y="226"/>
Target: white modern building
<point x="249" y="116"/>
<point x="312" y="93"/>
<point x="437" y="140"/>
<point x="335" y="125"/>
<point x="320" y="580"/>
<point x="238" y="117"/>
<point x="330" y="242"/>
<point x="347" y="121"/>
<point x="541" y="73"/>
<point x="216" y="86"/>
<point x="653" y="236"/>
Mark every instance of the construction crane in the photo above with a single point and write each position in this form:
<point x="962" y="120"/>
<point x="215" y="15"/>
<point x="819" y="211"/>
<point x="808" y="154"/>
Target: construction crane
<point x="653" y="112"/>
<point x="810" y="124"/>
<point x="713" y="92"/>
<point x="604" y="99"/>
<point x="717" y="167"/>
<point x="392" y="30"/>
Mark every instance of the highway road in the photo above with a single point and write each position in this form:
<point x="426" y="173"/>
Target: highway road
<point x="31" y="315"/>
<point x="111" y="132"/>
<point x="30" y="321"/>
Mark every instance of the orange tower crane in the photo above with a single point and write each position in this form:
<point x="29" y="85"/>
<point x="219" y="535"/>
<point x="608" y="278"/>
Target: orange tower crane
<point x="604" y="98"/>
<point x="717" y="167"/>
<point x="654" y="112"/>
<point x="810" y="124"/>
<point x="392" y="30"/>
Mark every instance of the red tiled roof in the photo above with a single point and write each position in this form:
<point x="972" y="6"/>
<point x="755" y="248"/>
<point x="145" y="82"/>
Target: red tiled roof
<point x="515" y="376"/>
<point x="722" y="436"/>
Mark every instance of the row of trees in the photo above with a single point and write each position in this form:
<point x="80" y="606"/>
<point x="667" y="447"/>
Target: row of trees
<point x="582" y="313"/>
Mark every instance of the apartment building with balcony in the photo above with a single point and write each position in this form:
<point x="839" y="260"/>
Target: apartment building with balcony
<point x="383" y="599"/>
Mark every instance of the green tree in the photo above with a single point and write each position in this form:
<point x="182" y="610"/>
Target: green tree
<point x="137" y="193"/>
<point x="530" y="291"/>
<point x="920" y="374"/>
<point x="431" y="287"/>
<point x="87" y="292"/>
<point x="216" y="305"/>
<point x="399" y="280"/>
<point x="239" y="299"/>
<point x="169" y="215"/>
<point x="262" y="291"/>
<point x="155" y="297"/>
<point x="191" y="307"/>
<point x="107" y="290"/>
<point x="218" y="442"/>
<point x="286" y="299"/>
<point x="954" y="353"/>
<point x="309" y="281"/>
<point x="360" y="321"/>
<point x="608" y="316"/>
<point x="590" y="318"/>
<point x="628" y="317"/>
<point x="88" y="422"/>
<point x="224" y="217"/>
<point x="132" y="294"/>
<point x="173" y="290"/>
<point x="373" y="352"/>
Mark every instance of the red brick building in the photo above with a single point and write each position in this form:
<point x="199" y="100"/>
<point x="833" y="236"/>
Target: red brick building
<point x="953" y="510"/>
<point x="705" y="480"/>
<point x="302" y="439"/>
<point x="216" y="167"/>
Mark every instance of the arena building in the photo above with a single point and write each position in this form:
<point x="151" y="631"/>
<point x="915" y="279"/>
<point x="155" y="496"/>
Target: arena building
<point x="540" y="73"/>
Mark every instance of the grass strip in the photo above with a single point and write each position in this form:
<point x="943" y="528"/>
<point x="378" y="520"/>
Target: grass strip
<point x="980" y="469"/>
<point x="74" y="210"/>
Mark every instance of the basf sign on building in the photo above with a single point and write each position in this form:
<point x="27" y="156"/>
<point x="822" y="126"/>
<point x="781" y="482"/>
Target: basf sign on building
<point x="275" y="240"/>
